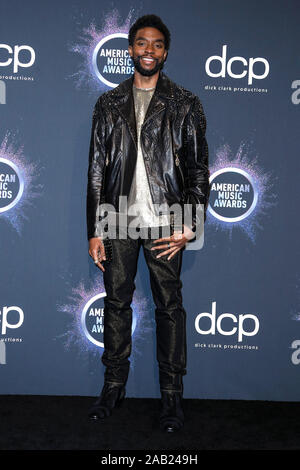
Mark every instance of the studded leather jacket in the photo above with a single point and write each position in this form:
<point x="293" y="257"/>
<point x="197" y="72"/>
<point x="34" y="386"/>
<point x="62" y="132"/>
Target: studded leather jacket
<point x="173" y="143"/>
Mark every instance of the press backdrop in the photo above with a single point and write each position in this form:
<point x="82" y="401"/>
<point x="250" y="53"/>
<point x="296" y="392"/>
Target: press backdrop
<point x="241" y="289"/>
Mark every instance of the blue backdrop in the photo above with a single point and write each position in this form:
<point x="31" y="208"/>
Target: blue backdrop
<point x="241" y="290"/>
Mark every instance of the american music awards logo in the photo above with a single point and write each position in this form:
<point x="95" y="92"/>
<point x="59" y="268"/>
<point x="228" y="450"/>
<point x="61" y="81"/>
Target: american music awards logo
<point x="92" y="319"/>
<point x="105" y="61"/>
<point x="111" y="60"/>
<point x="86" y="319"/>
<point x="11" y="184"/>
<point x="18" y="187"/>
<point x="233" y="194"/>
<point x="240" y="191"/>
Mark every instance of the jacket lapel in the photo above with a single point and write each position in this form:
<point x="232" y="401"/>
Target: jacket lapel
<point x="155" y="106"/>
<point x="124" y="102"/>
<point x="157" y="102"/>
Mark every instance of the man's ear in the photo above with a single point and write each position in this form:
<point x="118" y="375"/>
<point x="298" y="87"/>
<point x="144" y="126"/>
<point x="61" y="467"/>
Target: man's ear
<point x="130" y="51"/>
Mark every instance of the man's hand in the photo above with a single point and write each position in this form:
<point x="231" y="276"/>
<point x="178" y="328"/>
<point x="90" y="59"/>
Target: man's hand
<point x="97" y="251"/>
<point x="174" y="243"/>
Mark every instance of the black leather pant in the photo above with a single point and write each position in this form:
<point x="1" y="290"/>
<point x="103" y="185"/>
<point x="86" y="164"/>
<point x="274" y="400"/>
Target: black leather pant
<point x="170" y="316"/>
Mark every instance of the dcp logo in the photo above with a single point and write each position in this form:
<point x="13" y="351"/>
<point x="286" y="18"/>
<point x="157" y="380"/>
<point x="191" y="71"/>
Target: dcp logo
<point x="26" y="53"/>
<point x="240" y="64"/>
<point x="11" y="318"/>
<point x="226" y="320"/>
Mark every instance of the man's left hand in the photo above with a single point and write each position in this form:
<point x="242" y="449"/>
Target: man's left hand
<point x="174" y="243"/>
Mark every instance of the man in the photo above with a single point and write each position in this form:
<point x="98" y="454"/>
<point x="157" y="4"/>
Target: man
<point x="148" y="146"/>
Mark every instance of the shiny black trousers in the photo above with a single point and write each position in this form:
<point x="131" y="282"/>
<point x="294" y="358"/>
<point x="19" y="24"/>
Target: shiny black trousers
<point x="170" y="316"/>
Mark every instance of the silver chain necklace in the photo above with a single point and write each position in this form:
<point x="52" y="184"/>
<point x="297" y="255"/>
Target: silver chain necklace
<point x="146" y="89"/>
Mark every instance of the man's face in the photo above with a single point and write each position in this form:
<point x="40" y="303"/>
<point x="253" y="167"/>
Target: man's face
<point x="148" y="52"/>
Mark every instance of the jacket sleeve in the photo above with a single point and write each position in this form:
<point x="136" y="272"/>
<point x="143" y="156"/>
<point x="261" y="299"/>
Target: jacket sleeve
<point x="95" y="170"/>
<point x="197" y="187"/>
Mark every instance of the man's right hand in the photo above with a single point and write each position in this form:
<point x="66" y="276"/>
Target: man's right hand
<point x="97" y="251"/>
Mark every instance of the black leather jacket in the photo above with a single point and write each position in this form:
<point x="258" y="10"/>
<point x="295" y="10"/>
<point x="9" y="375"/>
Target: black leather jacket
<point x="173" y="144"/>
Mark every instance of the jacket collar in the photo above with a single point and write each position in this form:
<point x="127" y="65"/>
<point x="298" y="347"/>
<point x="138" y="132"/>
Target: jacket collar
<point x="122" y="99"/>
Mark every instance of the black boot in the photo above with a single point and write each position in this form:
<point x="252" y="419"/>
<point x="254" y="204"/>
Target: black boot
<point x="171" y="412"/>
<point x="112" y="396"/>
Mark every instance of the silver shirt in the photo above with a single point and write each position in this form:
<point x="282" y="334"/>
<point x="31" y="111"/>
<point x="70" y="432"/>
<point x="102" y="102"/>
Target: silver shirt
<point x="140" y="192"/>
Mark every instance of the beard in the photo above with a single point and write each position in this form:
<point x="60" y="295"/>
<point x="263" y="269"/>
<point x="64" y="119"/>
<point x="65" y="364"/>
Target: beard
<point x="147" y="73"/>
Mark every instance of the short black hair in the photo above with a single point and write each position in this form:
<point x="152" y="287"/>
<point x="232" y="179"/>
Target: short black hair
<point x="149" y="21"/>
